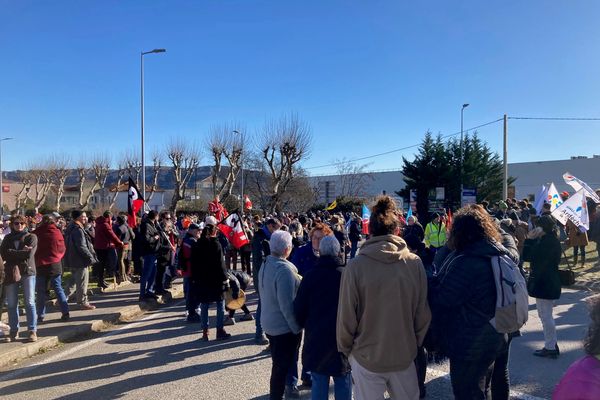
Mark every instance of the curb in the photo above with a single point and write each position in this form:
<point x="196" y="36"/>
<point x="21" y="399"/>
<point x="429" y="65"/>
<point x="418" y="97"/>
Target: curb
<point x="124" y="315"/>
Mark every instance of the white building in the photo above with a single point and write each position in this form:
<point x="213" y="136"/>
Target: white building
<point x="530" y="176"/>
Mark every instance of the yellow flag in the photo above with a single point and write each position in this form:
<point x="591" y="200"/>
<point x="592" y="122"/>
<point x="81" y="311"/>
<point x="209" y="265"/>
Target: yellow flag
<point x="332" y="206"/>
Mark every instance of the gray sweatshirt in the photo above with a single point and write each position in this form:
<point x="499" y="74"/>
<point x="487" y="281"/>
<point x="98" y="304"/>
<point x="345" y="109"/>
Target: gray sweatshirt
<point x="278" y="283"/>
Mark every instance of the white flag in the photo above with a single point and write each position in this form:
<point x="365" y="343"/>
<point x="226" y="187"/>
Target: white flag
<point x="553" y="198"/>
<point x="574" y="210"/>
<point x="540" y="199"/>
<point x="578" y="184"/>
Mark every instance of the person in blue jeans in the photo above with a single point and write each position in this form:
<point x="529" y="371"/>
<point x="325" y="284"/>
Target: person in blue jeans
<point x="18" y="250"/>
<point x="48" y="256"/>
<point x="150" y="240"/>
<point x="315" y="308"/>
<point x="209" y="277"/>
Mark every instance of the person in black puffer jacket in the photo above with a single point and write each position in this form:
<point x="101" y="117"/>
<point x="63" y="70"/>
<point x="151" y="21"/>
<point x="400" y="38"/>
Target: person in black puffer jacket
<point x="315" y="308"/>
<point x="464" y="300"/>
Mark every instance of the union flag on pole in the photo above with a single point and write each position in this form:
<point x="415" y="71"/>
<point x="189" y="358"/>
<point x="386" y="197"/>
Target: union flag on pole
<point x="134" y="202"/>
<point x="233" y="230"/>
<point x="247" y="202"/>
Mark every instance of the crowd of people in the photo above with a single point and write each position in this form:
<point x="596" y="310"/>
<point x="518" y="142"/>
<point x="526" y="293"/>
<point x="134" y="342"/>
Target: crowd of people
<point x="368" y="314"/>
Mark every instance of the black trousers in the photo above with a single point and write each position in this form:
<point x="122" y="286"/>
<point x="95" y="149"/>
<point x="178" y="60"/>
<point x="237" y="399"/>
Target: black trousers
<point x="499" y="379"/>
<point x="421" y="365"/>
<point x="107" y="263"/>
<point x="161" y="267"/>
<point x="284" y="352"/>
<point x="245" y="260"/>
<point x="469" y="376"/>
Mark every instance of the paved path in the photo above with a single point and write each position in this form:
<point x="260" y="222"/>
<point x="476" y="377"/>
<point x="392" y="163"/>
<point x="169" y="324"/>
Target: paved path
<point x="160" y="357"/>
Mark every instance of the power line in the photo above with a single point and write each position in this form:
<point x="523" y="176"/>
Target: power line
<point x="557" y="118"/>
<point x="402" y="148"/>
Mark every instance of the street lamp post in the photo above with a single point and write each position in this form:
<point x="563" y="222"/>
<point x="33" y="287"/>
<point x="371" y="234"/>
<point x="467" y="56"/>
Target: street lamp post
<point x="1" y="187"/>
<point x="142" y="54"/>
<point x="241" y="168"/>
<point x="462" y="158"/>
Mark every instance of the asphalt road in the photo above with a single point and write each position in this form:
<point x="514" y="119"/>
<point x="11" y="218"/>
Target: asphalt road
<point x="160" y="357"/>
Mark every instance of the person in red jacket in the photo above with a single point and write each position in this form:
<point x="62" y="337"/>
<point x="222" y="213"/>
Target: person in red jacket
<point x="48" y="257"/>
<point x="105" y="244"/>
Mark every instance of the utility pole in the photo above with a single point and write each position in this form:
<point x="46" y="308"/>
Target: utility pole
<point x="505" y="169"/>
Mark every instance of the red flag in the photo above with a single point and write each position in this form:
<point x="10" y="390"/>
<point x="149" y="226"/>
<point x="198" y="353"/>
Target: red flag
<point x="134" y="203"/>
<point x="247" y="202"/>
<point x="232" y="229"/>
<point x="449" y="220"/>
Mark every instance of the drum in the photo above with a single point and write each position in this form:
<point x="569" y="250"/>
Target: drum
<point x="234" y="304"/>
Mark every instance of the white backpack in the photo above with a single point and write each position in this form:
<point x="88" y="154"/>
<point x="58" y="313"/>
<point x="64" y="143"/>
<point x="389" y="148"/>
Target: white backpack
<point x="512" y="299"/>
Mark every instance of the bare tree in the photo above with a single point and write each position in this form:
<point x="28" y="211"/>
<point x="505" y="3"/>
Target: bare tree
<point x="283" y="144"/>
<point x="82" y="175"/>
<point x="184" y="159"/>
<point x="41" y="181"/>
<point x="225" y="143"/>
<point x="133" y="165"/>
<point x="22" y="195"/>
<point x="354" y="178"/>
<point x="121" y="172"/>
<point x="157" y="160"/>
<point x="58" y="168"/>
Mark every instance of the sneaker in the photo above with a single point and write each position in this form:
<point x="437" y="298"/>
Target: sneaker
<point x="546" y="353"/>
<point x="261" y="339"/>
<point x="40" y="320"/>
<point x="292" y="392"/>
<point x="65" y="317"/>
<point x="247" y="317"/>
<point x="32" y="336"/>
<point x="222" y="335"/>
<point x="228" y="321"/>
<point x="11" y="337"/>
<point x="87" y="306"/>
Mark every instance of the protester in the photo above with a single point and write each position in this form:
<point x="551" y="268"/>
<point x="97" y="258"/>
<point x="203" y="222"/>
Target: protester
<point x="278" y="284"/>
<point x="126" y="235"/>
<point x="582" y="379"/>
<point x="79" y="256"/>
<point x="18" y="250"/>
<point x="166" y="252"/>
<point x="185" y="266"/>
<point x="209" y="277"/>
<point x="105" y="244"/>
<point x="354" y="235"/>
<point x="578" y="240"/>
<point x="413" y="228"/>
<point x="464" y="301"/>
<point x="48" y="256"/>
<point x="383" y="314"/>
<point x="260" y="250"/>
<point x="315" y="308"/>
<point x="246" y="250"/>
<point x="305" y="258"/>
<point x="435" y="233"/>
<point x="544" y="280"/>
<point x="150" y="243"/>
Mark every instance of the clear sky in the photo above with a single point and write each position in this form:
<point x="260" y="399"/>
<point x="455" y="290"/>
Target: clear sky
<point x="368" y="76"/>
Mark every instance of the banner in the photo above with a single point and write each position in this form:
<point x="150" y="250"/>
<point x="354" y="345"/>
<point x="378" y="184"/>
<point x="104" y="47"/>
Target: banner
<point x="366" y="214"/>
<point x="540" y="199"/>
<point x="233" y="230"/>
<point x="134" y="203"/>
<point x="578" y="184"/>
<point x="574" y="210"/>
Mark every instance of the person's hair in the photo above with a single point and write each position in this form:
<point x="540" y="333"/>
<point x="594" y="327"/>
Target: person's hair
<point x="120" y="220"/>
<point x="208" y="231"/>
<point x="384" y="217"/>
<point x="75" y="214"/>
<point x="319" y="226"/>
<point x="48" y="219"/>
<point x="296" y="228"/>
<point x="151" y="214"/>
<point x="106" y="214"/>
<point x="546" y="206"/>
<point x="591" y="344"/>
<point x="485" y="204"/>
<point x="471" y="224"/>
<point x="329" y="246"/>
<point x="273" y="221"/>
<point x="280" y="242"/>
<point x="18" y="218"/>
<point x="548" y="224"/>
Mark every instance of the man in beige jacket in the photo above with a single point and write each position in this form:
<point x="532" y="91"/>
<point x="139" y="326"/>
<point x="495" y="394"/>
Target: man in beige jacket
<point x="383" y="314"/>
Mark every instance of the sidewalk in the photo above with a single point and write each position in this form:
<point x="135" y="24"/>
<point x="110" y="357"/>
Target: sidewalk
<point x="112" y="307"/>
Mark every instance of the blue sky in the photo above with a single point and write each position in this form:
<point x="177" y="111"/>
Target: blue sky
<point x="368" y="76"/>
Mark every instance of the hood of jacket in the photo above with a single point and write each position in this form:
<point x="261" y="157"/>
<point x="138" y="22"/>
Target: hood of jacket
<point x="386" y="249"/>
<point x="71" y="227"/>
<point x="47" y="231"/>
